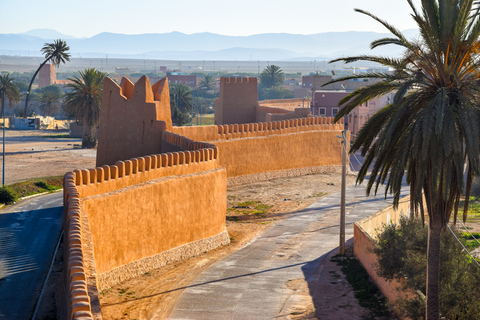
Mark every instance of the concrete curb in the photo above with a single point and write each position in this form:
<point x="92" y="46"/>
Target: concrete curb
<point x="2" y="205"/>
<point x="39" y="194"/>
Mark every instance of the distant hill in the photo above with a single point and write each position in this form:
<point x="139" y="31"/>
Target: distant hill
<point x="204" y="46"/>
<point x="48" y="34"/>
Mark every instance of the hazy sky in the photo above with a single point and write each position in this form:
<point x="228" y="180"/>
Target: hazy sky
<point x="86" y="18"/>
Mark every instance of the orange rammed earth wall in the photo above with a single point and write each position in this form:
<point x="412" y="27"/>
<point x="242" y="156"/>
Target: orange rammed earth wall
<point x="76" y="294"/>
<point x="140" y="214"/>
<point x="364" y="234"/>
<point x="132" y="119"/>
<point x="281" y="145"/>
<point x="237" y="100"/>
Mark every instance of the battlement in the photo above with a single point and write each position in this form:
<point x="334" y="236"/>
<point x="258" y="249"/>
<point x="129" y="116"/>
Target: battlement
<point x="194" y="157"/>
<point x="132" y="118"/>
<point x="238" y="80"/>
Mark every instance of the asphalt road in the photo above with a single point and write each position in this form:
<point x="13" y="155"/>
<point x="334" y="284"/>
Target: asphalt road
<point x="29" y="231"/>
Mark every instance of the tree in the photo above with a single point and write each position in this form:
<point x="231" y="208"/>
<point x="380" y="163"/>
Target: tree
<point x="50" y="102"/>
<point x="85" y="99"/>
<point x="207" y="83"/>
<point x="180" y="103"/>
<point x="431" y="128"/>
<point x="56" y="52"/>
<point x="8" y="91"/>
<point x="271" y="76"/>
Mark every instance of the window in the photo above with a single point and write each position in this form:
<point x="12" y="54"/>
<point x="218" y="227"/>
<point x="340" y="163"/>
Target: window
<point x="322" y="112"/>
<point x="334" y="112"/>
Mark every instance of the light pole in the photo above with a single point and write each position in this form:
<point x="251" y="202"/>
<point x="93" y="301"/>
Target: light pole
<point x="3" y="157"/>
<point x="201" y="111"/>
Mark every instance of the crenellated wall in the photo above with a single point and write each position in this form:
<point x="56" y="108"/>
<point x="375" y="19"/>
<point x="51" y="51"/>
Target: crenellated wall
<point x="132" y="119"/>
<point x="168" y="200"/>
<point x="237" y="100"/>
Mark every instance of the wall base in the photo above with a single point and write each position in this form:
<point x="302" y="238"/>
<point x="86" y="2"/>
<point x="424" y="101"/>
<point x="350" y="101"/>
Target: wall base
<point x="133" y="269"/>
<point x="262" y="176"/>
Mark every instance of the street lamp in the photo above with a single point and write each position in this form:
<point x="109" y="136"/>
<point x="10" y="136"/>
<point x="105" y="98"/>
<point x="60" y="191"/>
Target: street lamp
<point x="3" y="157"/>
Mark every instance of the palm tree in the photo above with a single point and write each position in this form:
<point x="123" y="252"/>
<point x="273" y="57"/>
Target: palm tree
<point x="8" y="90"/>
<point x="207" y="83"/>
<point x="85" y="100"/>
<point x="49" y="102"/>
<point x="432" y="127"/>
<point x="56" y="52"/>
<point x="271" y="76"/>
<point x="180" y="103"/>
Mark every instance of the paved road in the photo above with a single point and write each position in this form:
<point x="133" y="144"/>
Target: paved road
<point x="29" y="231"/>
<point x="252" y="282"/>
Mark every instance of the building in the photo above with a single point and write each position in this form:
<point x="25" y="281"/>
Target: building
<point x="47" y="76"/>
<point x="325" y="104"/>
<point x="181" y="78"/>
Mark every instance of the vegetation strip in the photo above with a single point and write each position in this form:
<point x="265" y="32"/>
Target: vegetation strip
<point x="11" y="193"/>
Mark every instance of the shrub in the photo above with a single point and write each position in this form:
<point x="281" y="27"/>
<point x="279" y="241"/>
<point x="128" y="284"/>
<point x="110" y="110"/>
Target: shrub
<point x="7" y="196"/>
<point x="402" y="254"/>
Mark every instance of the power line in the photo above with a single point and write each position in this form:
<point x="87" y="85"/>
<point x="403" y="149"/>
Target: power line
<point x="468" y="231"/>
<point x="473" y="258"/>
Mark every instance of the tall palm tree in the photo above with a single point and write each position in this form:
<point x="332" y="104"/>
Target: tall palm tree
<point x="271" y="76"/>
<point x="432" y="127"/>
<point x="50" y="102"/>
<point x="8" y="90"/>
<point x="56" y="52"/>
<point x="207" y="83"/>
<point x="85" y="99"/>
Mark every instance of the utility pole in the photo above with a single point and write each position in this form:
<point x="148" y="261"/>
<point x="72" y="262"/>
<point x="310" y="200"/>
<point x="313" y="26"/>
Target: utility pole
<point x="342" y="197"/>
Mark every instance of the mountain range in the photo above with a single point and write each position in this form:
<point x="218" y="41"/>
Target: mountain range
<point x="204" y="46"/>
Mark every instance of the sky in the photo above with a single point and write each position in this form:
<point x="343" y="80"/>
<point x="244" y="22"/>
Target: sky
<point x="87" y="18"/>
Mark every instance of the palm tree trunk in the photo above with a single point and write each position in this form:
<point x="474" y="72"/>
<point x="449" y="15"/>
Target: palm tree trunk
<point x="30" y="87"/>
<point x="433" y="270"/>
<point x="88" y="139"/>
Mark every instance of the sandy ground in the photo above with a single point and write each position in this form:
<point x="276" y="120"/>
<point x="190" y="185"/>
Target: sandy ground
<point x="30" y="154"/>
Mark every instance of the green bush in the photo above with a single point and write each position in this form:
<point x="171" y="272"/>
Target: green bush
<point x="402" y="254"/>
<point x="7" y="196"/>
<point x="44" y="185"/>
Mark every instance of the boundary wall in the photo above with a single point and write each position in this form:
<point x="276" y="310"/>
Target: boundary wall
<point x="138" y="215"/>
<point x="364" y="240"/>
<point x="256" y="148"/>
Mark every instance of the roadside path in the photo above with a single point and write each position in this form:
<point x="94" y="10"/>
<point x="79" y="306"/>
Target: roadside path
<point x="255" y="282"/>
<point x="29" y="231"/>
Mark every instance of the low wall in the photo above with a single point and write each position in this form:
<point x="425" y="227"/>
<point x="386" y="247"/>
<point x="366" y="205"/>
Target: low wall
<point x="365" y="232"/>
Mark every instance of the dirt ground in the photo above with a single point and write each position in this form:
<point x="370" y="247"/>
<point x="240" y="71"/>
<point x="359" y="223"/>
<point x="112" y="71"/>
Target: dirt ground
<point x="30" y="154"/>
<point x="251" y="208"/>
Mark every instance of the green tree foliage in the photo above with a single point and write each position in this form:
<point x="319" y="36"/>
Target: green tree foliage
<point x="270" y="86"/>
<point x="274" y="93"/>
<point x="85" y="100"/>
<point x="50" y="102"/>
<point x="402" y="253"/>
<point x="271" y="76"/>
<point x="431" y="128"/>
<point x="56" y="53"/>
<point x="8" y="91"/>
<point x="180" y="103"/>
<point x="208" y="83"/>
